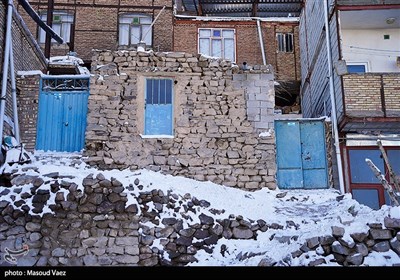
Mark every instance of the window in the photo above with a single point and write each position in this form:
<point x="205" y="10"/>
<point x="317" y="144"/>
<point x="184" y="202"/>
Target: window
<point x="158" y="107"/>
<point x="356" y="67"/>
<point x="285" y="42"/>
<point x="134" y="28"/>
<point x="62" y="22"/>
<point x="217" y="43"/>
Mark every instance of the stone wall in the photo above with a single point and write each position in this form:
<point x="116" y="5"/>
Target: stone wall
<point x="217" y="120"/>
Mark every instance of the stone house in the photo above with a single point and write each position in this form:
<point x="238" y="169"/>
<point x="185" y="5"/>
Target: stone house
<point x="365" y="85"/>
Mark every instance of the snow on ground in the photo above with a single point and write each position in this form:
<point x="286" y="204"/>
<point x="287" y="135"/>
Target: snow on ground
<point x="302" y="213"/>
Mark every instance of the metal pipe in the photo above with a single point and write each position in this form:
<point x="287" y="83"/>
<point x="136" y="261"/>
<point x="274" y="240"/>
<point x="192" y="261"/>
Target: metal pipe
<point x="151" y="25"/>
<point x="14" y="95"/>
<point x="333" y="101"/>
<point x="261" y="42"/>
<point x="5" y="68"/>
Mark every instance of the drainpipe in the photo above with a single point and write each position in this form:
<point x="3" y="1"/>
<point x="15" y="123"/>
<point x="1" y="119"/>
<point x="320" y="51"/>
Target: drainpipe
<point x="261" y="42"/>
<point x="333" y="101"/>
<point x="14" y="95"/>
<point x="5" y="67"/>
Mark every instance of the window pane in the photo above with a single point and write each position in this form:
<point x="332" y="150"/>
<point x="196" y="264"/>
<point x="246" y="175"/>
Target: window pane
<point x="367" y="197"/>
<point x="356" y="68"/>
<point x="289" y="43"/>
<point x="124" y="34"/>
<point x="394" y="159"/>
<point x="204" y="46"/>
<point x="42" y="35"/>
<point x="205" y="33"/>
<point x="163" y="90"/>
<point x="57" y="28"/>
<point x="145" y="29"/>
<point x="149" y="90"/>
<point x="281" y="46"/>
<point x="360" y="171"/>
<point x="125" y="19"/>
<point x="144" y="20"/>
<point x="229" y="49"/>
<point x="216" y="48"/>
<point x="168" y="92"/>
<point x="228" y="33"/>
<point x="66" y="31"/>
<point x="156" y="90"/>
<point x="135" y="34"/>
<point x="216" y="33"/>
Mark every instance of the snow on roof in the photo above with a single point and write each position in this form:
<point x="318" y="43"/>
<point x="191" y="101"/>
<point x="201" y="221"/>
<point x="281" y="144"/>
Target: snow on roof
<point x="269" y="19"/>
<point x="66" y="60"/>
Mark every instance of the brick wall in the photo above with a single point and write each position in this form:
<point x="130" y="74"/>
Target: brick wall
<point x="27" y="54"/>
<point x="363" y="94"/>
<point x="216" y="134"/>
<point x="286" y="65"/>
<point x="96" y="25"/>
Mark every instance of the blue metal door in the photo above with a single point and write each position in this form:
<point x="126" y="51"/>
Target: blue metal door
<point x="301" y="154"/>
<point x="62" y="114"/>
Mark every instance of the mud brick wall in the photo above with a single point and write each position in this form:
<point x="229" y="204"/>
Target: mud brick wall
<point x="218" y="116"/>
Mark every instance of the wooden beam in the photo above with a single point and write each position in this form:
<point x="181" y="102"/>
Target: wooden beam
<point x="200" y="8"/>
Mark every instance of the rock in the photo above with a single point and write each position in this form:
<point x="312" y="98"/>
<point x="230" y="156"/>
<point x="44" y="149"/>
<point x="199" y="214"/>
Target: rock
<point x="317" y="262"/>
<point x="105" y="207"/>
<point x="53" y="175"/>
<point x="136" y="182"/>
<point x="213" y="239"/>
<point x="312" y="242"/>
<point x="201" y="234"/>
<point x="395" y="244"/>
<point x="381" y="246"/>
<point x="33" y="226"/>
<point x="132" y="209"/>
<point x="26" y="261"/>
<point x="153" y="261"/>
<point x="380" y="233"/>
<point x="355" y="259"/>
<point x="359" y="237"/>
<point x="185" y="258"/>
<point x="147" y="239"/>
<point x="118" y="189"/>
<point x="227" y="233"/>
<point x="182" y="240"/>
<point x="42" y="261"/>
<point x="362" y="249"/>
<point x="104" y="260"/>
<point x="188" y="232"/>
<point x="392" y="223"/>
<point x="234" y="224"/>
<point x="375" y="225"/>
<point x="349" y="243"/>
<point x="242" y="233"/>
<point x="165" y="232"/>
<point x="100" y="177"/>
<point x="127" y="259"/>
<point x="339" y="248"/>
<point x="203" y="203"/>
<point x="58" y="252"/>
<point x="276" y="226"/>
<point x="21" y="180"/>
<point x="206" y="220"/>
<point x="116" y="183"/>
<point x="267" y="261"/>
<point x="168" y="221"/>
<point x="132" y="250"/>
<point x="297" y="253"/>
<point x="337" y="231"/>
<point x="217" y="229"/>
<point x="35" y="236"/>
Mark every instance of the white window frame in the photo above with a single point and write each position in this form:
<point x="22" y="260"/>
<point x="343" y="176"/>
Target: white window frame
<point x="62" y="28"/>
<point x="282" y="41"/>
<point x="363" y="63"/>
<point x="211" y="38"/>
<point x="130" y="26"/>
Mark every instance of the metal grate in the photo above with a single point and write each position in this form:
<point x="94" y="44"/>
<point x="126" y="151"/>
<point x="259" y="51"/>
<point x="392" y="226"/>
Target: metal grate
<point x="65" y="84"/>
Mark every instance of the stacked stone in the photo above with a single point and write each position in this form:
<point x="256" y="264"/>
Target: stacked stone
<point x="216" y="121"/>
<point x="351" y="252"/>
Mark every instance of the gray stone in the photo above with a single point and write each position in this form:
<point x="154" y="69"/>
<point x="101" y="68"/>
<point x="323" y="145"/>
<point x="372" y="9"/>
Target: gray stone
<point x="355" y="259"/>
<point x="227" y="233"/>
<point x="213" y="239"/>
<point x="168" y="221"/>
<point x="267" y="261"/>
<point x="317" y="262"/>
<point x="392" y="223"/>
<point x="375" y="225"/>
<point x="217" y="229"/>
<point x="90" y="260"/>
<point x="132" y="209"/>
<point x="33" y="226"/>
<point x="98" y="251"/>
<point x="185" y="258"/>
<point x="16" y="230"/>
<point x="165" y="232"/>
<point x="153" y="261"/>
<point x="26" y="261"/>
<point x="395" y="244"/>
<point x="182" y="240"/>
<point x="326" y="240"/>
<point x="126" y="241"/>
<point x="340" y="249"/>
<point x="297" y="253"/>
<point x="347" y="242"/>
<point x="127" y="259"/>
<point x="312" y="242"/>
<point x="380" y="233"/>
<point x="188" y="232"/>
<point x="104" y="260"/>
<point x="147" y="239"/>
<point x="242" y="233"/>
<point x="337" y="231"/>
<point x="362" y="249"/>
<point x="206" y="220"/>
<point x="132" y="250"/>
<point x="42" y="261"/>
<point x="359" y="237"/>
<point x="35" y="236"/>
<point x="381" y="246"/>
<point x="58" y="252"/>
<point x="23" y="180"/>
<point x="201" y="234"/>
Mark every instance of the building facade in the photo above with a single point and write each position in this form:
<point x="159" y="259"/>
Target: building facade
<point x="97" y="24"/>
<point x="366" y="85"/>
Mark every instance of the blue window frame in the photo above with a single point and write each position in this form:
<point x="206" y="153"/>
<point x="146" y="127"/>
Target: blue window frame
<point x="354" y="68"/>
<point x="159" y="107"/>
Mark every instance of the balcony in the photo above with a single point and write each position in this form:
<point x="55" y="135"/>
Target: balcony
<point x="372" y="102"/>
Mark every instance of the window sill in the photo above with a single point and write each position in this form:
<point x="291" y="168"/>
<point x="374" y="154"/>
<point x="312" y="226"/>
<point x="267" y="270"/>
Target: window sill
<point x="156" y="136"/>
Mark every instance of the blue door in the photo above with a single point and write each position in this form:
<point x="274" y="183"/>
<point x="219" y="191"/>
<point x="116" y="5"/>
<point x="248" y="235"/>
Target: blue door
<point x="62" y="114"/>
<point x="158" y="109"/>
<point x="301" y="154"/>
